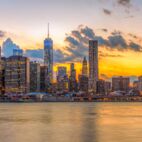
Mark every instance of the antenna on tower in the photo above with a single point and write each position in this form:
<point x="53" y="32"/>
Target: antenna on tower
<point x="48" y="30"/>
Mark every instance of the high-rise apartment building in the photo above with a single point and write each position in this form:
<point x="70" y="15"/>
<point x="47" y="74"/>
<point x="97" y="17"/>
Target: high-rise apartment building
<point x="120" y="83"/>
<point x="73" y="86"/>
<point x="83" y="83"/>
<point x="93" y="65"/>
<point x="140" y="83"/>
<point x="0" y="74"/>
<point x="103" y="87"/>
<point x="62" y="79"/>
<point x="43" y="81"/>
<point x="17" y="75"/>
<point x="3" y="63"/>
<point x="34" y="77"/>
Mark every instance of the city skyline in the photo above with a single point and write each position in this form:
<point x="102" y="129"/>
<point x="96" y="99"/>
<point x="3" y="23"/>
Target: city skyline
<point x="119" y="42"/>
<point x="70" y="70"/>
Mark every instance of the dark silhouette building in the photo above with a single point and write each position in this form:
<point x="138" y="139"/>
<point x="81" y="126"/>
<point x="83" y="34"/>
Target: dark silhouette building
<point x="93" y="65"/>
<point x="73" y="85"/>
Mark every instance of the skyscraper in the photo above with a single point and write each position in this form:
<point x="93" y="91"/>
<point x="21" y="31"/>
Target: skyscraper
<point x="48" y="58"/>
<point x="72" y="70"/>
<point x="84" y="67"/>
<point x="83" y="78"/>
<point x="0" y="74"/>
<point x="34" y="77"/>
<point x="93" y="65"/>
<point x="3" y="64"/>
<point x="140" y="83"/>
<point x="83" y="83"/>
<point x="62" y="79"/>
<point x="17" y="74"/>
<point x="43" y="75"/>
<point x="73" y="86"/>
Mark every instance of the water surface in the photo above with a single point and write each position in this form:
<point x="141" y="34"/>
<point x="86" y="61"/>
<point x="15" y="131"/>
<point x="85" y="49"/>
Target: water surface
<point x="71" y="122"/>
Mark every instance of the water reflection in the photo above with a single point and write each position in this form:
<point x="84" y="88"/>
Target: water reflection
<point x="89" y="133"/>
<point x="71" y="122"/>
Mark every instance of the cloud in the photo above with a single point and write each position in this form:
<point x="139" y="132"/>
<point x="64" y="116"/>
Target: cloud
<point x="107" y="12"/>
<point x="59" y="56"/>
<point x="104" y="30"/>
<point x="124" y="2"/>
<point x="117" y="41"/>
<point x="8" y="46"/>
<point x="38" y="55"/>
<point x="2" y="34"/>
<point x="135" y="46"/>
<point x="78" y="45"/>
<point x="102" y="54"/>
<point x="133" y="36"/>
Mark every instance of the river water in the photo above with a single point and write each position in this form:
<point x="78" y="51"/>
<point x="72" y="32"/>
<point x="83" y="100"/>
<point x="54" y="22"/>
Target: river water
<point x="71" y="122"/>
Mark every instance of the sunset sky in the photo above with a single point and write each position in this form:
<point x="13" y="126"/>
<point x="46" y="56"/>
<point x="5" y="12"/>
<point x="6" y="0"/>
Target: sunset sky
<point x="116" y="24"/>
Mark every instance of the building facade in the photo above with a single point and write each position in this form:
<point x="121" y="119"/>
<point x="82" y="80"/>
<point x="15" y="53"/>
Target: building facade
<point x="0" y="74"/>
<point x="62" y="79"/>
<point x="93" y="65"/>
<point x="140" y="83"/>
<point x="17" y="75"/>
<point x="103" y="87"/>
<point x="3" y="63"/>
<point x="120" y="84"/>
<point x="73" y="85"/>
<point x="17" y="52"/>
<point x="34" y="77"/>
<point x="83" y="83"/>
<point x="43" y="81"/>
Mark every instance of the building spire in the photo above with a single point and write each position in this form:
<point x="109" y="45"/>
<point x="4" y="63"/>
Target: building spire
<point x="48" y="34"/>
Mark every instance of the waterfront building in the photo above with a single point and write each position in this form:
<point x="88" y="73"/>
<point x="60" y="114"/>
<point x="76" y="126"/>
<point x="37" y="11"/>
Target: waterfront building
<point x="120" y="84"/>
<point x="62" y="79"/>
<point x="48" y="59"/>
<point x="93" y="65"/>
<point x="107" y="87"/>
<point x="100" y="87"/>
<point x="17" y="75"/>
<point x="34" y="77"/>
<point x="3" y="62"/>
<point x="103" y="87"/>
<point x="0" y="74"/>
<point x="136" y="85"/>
<point x="43" y="82"/>
<point x="140" y="83"/>
<point x="73" y="86"/>
<point x="83" y="83"/>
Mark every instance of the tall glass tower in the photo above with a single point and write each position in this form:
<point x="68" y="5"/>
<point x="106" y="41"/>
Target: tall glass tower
<point x="48" y="58"/>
